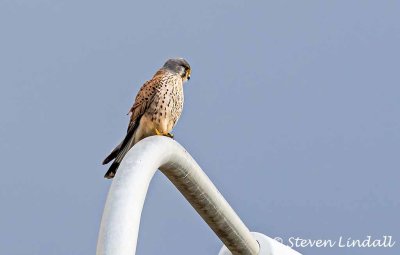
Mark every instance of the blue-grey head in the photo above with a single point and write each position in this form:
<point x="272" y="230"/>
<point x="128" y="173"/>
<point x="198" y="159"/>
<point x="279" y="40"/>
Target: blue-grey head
<point x="178" y="66"/>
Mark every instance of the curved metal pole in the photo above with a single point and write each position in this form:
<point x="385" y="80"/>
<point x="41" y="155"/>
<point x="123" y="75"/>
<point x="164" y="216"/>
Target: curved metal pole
<point x="121" y="217"/>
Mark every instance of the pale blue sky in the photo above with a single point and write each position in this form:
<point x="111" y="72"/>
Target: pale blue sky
<point x="300" y="97"/>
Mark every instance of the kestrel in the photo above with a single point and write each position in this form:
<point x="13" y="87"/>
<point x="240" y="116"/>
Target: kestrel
<point x="157" y="108"/>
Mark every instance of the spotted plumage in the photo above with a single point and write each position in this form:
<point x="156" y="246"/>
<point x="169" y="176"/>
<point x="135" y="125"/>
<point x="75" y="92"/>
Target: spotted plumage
<point x="157" y="108"/>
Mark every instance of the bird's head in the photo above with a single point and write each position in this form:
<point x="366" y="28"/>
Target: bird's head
<point x="178" y="66"/>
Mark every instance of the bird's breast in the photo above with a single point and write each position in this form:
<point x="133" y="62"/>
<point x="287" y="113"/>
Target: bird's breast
<point x="168" y="105"/>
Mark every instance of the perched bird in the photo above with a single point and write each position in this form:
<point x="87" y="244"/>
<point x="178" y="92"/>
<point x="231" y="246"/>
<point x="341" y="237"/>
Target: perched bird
<point x="157" y="108"/>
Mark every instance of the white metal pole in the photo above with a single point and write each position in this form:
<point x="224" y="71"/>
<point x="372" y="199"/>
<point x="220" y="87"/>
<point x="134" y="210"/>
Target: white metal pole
<point x="121" y="217"/>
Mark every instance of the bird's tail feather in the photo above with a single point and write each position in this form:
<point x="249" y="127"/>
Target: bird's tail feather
<point x="120" y="151"/>
<point x="112" y="170"/>
<point x="112" y="155"/>
<point x="121" y="154"/>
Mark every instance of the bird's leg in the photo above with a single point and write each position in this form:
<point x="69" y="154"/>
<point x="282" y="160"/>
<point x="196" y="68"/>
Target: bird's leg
<point x="164" y="134"/>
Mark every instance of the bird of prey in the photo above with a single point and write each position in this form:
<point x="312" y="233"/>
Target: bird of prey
<point x="157" y="108"/>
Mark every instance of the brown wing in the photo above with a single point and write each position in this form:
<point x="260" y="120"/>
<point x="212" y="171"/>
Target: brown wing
<point x="146" y="95"/>
<point x="142" y="101"/>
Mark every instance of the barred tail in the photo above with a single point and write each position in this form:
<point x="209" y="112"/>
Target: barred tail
<point x="120" y="151"/>
<point x="121" y="154"/>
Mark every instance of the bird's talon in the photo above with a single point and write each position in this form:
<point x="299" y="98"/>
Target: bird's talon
<point x="158" y="132"/>
<point x="164" y="134"/>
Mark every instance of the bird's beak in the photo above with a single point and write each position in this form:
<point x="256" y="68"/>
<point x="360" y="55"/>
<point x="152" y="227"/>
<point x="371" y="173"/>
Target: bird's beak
<point x="188" y="73"/>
